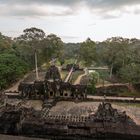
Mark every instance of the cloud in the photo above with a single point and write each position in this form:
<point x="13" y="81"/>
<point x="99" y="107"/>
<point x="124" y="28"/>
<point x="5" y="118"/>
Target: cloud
<point x="102" y="8"/>
<point x="91" y="24"/>
<point x="34" y="10"/>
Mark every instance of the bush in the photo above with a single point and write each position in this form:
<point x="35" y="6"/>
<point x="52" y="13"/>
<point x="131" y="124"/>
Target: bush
<point x="11" y="68"/>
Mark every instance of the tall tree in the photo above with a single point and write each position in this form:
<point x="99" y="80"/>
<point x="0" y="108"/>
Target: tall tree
<point x="32" y="34"/>
<point x="88" y="52"/>
<point x="116" y="53"/>
<point x="5" y="43"/>
<point x="29" y="42"/>
<point x="45" y="46"/>
<point x="130" y="73"/>
<point x="52" y="47"/>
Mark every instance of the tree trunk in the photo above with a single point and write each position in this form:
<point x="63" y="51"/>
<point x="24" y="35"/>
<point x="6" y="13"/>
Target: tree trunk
<point x="111" y="70"/>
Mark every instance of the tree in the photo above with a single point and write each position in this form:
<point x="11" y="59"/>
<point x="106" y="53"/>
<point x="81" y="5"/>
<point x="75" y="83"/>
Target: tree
<point x="29" y="42"/>
<point x="24" y="52"/>
<point x="32" y="34"/>
<point x="130" y="73"/>
<point x="88" y="52"/>
<point x="11" y="68"/>
<point x="94" y="77"/>
<point x="56" y="45"/>
<point x="34" y="39"/>
<point x="52" y="48"/>
<point x="71" y="50"/>
<point x="116" y="53"/>
<point x="5" y="43"/>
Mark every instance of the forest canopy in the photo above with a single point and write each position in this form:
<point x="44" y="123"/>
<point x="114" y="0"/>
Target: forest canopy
<point x="121" y="55"/>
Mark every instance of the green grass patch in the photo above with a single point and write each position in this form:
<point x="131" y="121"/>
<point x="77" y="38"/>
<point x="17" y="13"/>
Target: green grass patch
<point x="75" y="75"/>
<point x="69" y="61"/>
<point x="64" y="74"/>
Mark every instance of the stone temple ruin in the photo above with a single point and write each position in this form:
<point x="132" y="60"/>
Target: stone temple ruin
<point x="52" y="87"/>
<point x="18" y="119"/>
<point x="105" y="122"/>
<point x="106" y="113"/>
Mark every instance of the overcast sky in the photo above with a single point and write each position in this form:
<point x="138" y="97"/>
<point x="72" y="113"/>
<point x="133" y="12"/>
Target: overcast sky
<point x="72" y="20"/>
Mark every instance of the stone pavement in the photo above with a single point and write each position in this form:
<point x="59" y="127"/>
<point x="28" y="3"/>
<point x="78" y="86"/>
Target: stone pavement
<point x="8" y="137"/>
<point x="113" y="98"/>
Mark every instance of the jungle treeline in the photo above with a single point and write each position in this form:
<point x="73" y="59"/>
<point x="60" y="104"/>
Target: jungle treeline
<point x="121" y="55"/>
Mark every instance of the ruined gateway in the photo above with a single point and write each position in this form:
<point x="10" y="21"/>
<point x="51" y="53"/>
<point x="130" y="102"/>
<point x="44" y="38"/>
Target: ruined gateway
<point x="21" y="120"/>
<point x="52" y="87"/>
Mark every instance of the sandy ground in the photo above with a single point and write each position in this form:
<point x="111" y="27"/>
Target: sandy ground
<point x="30" y="77"/>
<point x="14" y="87"/>
<point x="71" y="108"/>
<point x="36" y="104"/>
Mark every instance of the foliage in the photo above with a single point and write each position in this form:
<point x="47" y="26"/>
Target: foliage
<point x="11" y="68"/>
<point x="88" y="52"/>
<point x="103" y="74"/>
<point x="32" y="35"/>
<point x="29" y="42"/>
<point x="116" y="53"/>
<point x="5" y="43"/>
<point x="18" y="54"/>
<point x="11" y="65"/>
<point x="130" y="73"/>
<point x="94" y="77"/>
<point x="71" y="50"/>
<point x="24" y="52"/>
<point x="122" y="56"/>
<point x="52" y="48"/>
<point x="34" y="39"/>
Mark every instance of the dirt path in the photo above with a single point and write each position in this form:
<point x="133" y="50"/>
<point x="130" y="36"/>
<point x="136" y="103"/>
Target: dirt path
<point x="14" y="87"/>
<point x="114" y="84"/>
<point x="29" y="77"/>
<point x="79" y="79"/>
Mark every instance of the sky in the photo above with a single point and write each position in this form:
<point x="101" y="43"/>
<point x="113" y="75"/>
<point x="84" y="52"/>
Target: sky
<point x="72" y="20"/>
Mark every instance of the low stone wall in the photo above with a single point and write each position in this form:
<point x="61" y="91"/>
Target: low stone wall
<point x="111" y="90"/>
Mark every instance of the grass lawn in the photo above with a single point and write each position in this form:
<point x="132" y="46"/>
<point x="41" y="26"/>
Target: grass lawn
<point x="75" y="75"/>
<point x="63" y="74"/>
